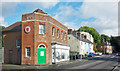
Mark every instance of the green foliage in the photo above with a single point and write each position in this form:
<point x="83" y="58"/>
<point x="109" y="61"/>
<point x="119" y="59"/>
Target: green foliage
<point x="106" y="37"/>
<point x="94" y="48"/>
<point x="1" y="36"/>
<point x="93" y="32"/>
<point x="1" y="27"/>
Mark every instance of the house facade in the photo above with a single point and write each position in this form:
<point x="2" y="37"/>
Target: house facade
<point x="37" y="39"/>
<point x="81" y="43"/>
<point x="105" y="47"/>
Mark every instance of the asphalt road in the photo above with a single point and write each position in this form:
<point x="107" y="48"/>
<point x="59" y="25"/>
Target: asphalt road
<point x="110" y="62"/>
<point x="97" y="62"/>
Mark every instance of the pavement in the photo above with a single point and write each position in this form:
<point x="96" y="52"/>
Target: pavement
<point x="97" y="62"/>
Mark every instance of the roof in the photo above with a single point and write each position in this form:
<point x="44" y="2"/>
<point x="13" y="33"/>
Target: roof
<point x="81" y="39"/>
<point x="14" y="27"/>
<point x="40" y="11"/>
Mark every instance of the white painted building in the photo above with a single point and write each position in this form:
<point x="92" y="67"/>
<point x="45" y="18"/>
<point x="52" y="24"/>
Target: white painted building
<point x="83" y="40"/>
<point x="60" y="52"/>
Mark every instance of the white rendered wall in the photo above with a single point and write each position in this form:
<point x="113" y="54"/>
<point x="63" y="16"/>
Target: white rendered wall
<point x="61" y="53"/>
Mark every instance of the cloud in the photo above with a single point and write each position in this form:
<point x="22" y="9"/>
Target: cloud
<point x="106" y="14"/>
<point x="2" y="22"/>
<point x="9" y="8"/>
<point x="65" y="12"/>
<point x="70" y="25"/>
<point x="30" y="0"/>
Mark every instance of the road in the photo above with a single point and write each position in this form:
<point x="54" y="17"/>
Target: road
<point x="97" y="62"/>
<point x="110" y="62"/>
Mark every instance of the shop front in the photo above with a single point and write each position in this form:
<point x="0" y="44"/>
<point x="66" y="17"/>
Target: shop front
<point x="60" y="53"/>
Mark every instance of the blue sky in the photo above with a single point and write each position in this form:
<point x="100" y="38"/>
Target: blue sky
<point x="72" y="14"/>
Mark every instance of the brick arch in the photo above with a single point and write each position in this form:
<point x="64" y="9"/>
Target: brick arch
<point x="41" y="43"/>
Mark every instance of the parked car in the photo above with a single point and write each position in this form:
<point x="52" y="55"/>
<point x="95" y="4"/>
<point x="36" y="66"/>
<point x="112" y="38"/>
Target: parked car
<point x="118" y="54"/>
<point x="99" y="53"/>
<point x="91" y="54"/>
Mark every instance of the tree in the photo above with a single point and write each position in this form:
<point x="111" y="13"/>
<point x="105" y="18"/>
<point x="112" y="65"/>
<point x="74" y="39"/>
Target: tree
<point x="1" y="36"/>
<point x="106" y="37"/>
<point x="93" y="32"/>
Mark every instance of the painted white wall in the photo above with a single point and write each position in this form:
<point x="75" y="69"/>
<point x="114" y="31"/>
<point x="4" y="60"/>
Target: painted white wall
<point x="61" y="53"/>
<point x="90" y="38"/>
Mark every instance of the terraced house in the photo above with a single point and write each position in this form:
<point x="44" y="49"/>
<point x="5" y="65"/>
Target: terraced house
<point x="81" y="43"/>
<point x="37" y="39"/>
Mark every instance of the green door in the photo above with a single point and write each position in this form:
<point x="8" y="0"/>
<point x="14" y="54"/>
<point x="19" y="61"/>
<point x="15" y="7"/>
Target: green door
<point x="41" y="55"/>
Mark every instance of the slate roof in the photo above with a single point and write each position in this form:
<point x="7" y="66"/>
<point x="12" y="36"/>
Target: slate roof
<point x="81" y="39"/>
<point x="14" y="27"/>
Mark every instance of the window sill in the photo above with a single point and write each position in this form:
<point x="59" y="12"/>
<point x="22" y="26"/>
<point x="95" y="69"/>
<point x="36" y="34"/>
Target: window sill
<point x="28" y="57"/>
<point x="41" y="34"/>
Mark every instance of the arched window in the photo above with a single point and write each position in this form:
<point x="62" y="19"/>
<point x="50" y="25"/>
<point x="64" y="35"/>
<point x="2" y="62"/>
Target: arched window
<point x="41" y="46"/>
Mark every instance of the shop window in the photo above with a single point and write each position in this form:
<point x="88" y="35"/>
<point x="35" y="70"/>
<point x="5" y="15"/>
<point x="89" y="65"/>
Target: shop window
<point x="53" y="31"/>
<point x="57" y="33"/>
<point x="27" y="51"/>
<point x="41" y="29"/>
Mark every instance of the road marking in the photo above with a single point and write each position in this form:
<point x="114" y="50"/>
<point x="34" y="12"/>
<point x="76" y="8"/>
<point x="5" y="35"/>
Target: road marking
<point x="115" y="67"/>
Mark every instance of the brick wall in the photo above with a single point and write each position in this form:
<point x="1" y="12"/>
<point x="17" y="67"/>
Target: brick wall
<point x="28" y="41"/>
<point x="36" y="38"/>
<point x="9" y="43"/>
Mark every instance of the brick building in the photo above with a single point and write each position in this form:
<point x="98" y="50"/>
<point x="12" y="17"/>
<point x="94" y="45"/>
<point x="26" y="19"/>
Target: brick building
<point x="37" y="39"/>
<point x="105" y="47"/>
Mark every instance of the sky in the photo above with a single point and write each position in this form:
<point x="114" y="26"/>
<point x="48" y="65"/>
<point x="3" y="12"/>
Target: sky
<point x="99" y="14"/>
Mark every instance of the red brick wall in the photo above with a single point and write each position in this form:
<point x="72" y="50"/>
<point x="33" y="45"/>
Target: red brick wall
<point x="32" y="39"/>
<point x="36" y="38"/>
<point x="9" y="43"/>
<point x="28" y="41"/>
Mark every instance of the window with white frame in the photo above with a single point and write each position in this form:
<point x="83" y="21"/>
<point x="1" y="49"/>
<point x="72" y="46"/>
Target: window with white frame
<point x="18" y="43"/>
<point x="27" y="51"/>
<point x="65" y="36"/>
<point x="53" y="31"/>
<point x="61" y="35"/>
<point x="41" y="29"/>
<point x="57" y="33"/>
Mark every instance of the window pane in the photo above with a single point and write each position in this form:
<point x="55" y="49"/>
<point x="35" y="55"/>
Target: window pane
<point x="18" y="42"/>
<point x="53" y="31"/>
<point x="41" y="29"/>
<point x="27" y="51"/>
<point x="58" y="33"/>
